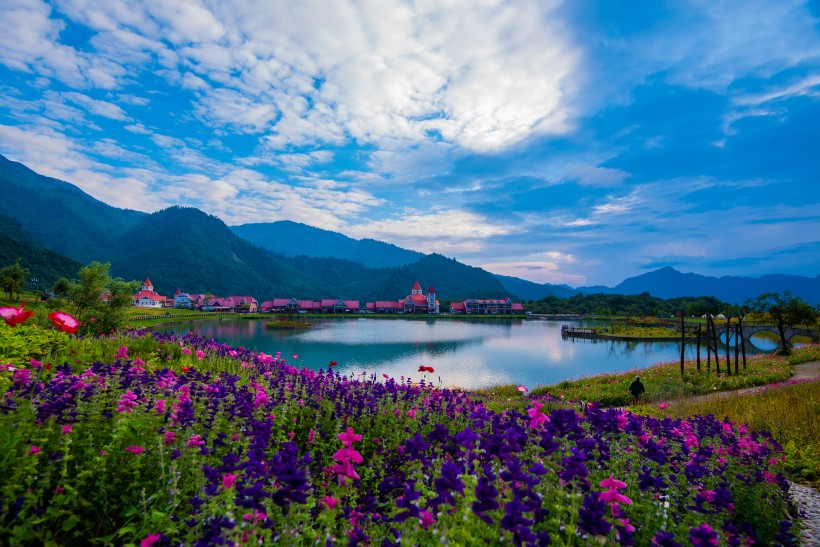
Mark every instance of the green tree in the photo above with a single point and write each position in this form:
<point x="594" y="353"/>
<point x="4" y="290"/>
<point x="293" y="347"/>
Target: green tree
<point x="100" y="315"/>
<point x="13" y="279"/>
<point x="61" y="287"/>
<point x="785" y="311"/>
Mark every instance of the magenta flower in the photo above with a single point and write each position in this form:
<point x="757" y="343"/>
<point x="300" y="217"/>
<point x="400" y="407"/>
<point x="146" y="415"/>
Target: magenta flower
<point x="663" y="406"/>
<point x="15" y="316"/>
<point x="426" y="519"/>
<point x="160" y="406"/>
<point x="612" y="482"/>
<point x="195" y="441"/>
<point x="613" y="495"/>
<point x="228" y="479"/>
<point x="536" y="416"/>
<point x="349" y="437"/>
<point x="135" y="449"/>
<point x="128" y="400"/>
<point x="34" y="449"/>
<point x="150" y="540"/>
<point x="522" y="389"/>
<point x="64" y="321"/>
<point x="200" y="355"/>
<point x="66" y="429"/>
<point x="122" y="353"/>
<point x="169" y="437"/>
<point x="330" y="501"/>
<point x="186" y="351"/>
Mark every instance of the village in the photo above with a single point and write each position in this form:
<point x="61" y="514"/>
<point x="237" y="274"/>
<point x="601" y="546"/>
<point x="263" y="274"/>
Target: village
<point x="417" y="302"/>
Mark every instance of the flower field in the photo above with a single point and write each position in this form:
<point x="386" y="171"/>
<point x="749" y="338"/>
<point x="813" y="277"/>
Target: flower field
<point x="160" y="440"/>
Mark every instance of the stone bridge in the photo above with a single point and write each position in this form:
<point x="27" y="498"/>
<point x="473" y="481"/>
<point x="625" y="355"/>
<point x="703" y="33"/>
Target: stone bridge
<point x="749" y="330"/>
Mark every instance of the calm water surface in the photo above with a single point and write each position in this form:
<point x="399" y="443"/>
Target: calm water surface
<point x="466" y="353"/>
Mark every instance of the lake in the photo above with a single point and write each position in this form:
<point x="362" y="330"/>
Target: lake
<point x="466" y="353"/>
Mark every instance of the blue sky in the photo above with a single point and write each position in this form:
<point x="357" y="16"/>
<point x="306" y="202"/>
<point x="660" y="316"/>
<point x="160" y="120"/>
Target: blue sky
<point x="568" y="142"/>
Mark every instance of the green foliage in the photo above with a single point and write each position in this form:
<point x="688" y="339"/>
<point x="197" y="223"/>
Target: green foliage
<point x="638" y="305"/>
<point x="100" y="316"/>
<point x="785" y="311"/>
<point x="43" y="264"/>
<point x="13" y="279"/>
<point x="28" y="341"/>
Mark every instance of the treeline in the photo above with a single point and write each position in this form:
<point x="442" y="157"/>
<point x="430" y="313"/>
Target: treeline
<point x="638" y="305"/>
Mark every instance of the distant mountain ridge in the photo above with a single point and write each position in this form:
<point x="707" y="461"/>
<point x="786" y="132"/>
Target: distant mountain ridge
<point x="296" y="239"/>
<point x="188" y="249"/>
<point x="669" y="283"/>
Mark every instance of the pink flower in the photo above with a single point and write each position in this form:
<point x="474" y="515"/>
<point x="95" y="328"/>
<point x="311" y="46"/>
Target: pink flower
<point x="15" y="316"/>
<point x="122" y="353"/>
<point x="347" y="454"/>
<point x="150" y="540"/>
<point x="200" y="355"/>
<point x="34" y="449"/>
<point x="295" y="356"/>
<point x="195" y="441"/>
<point x="169" y="437"/>
<point x="426" y="519"/>
<point x="536" y="416"/>
<point x="330" y="501"/>
<point x="612" y="482"/>
<point x="127" y="401"/>
<point x="66" y="429"/>
<point x="186" y="351"/>
<point x="349" y="437"/>
<point x="160" y="406"/>
<point x="228" y="479"/>
<point x="522" y="389"/>
<point x="613" y="495"/>
<point x="411" y="413"/>
<point x="64" y="321"/>
<point x="663" y="406"/>
<point x="135" y="449"/>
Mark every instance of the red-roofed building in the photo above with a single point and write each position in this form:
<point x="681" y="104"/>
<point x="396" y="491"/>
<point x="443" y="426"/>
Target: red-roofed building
<point x="491" y="306"/>
<point x="147" y="297"/>
<point x="418" y="302"/>
<point x="235" y="304"/>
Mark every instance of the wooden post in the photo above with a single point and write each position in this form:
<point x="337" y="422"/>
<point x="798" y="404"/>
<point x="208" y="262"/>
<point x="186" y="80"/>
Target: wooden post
<point x="737" y="349"/>
<point x="697" y="333"/>
<point x="682" y="341"/>
<point x="742" y="340"/>
<point x="715" y="340"/>
<point x="708" y="346"/>
<point x="728" y="353"/>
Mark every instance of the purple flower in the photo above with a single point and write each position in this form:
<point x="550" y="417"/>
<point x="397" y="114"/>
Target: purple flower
<point x="703" y="536"/>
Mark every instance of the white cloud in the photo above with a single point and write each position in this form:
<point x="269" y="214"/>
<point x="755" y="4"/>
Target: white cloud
<point x="538" y="272"/>
<point x="591" y="175"/>
<point x="445" y="231"/>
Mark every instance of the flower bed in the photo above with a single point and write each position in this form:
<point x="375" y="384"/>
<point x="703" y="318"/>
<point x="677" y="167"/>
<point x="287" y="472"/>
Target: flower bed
<point x="197" y="442"/>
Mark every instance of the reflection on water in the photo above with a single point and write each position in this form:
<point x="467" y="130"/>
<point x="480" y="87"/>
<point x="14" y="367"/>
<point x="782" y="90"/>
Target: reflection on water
<point x="464" y="353"/>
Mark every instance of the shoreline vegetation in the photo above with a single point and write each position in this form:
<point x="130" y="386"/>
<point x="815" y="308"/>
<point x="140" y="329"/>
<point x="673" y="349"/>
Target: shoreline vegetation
<point x="138" y="437"/>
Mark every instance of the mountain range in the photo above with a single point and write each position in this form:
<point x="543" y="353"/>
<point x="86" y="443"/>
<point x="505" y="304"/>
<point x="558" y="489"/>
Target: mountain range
<point x="53" y="227"/>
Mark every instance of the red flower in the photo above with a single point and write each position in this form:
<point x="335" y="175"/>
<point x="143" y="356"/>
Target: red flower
<point x="64" y="321"/>
<point x="332" y="364"/>
<point x="15" y="316"/>
<point x="426" y="369"/>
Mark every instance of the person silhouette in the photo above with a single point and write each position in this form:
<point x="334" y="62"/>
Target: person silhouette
<point x="637" y="389"/>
